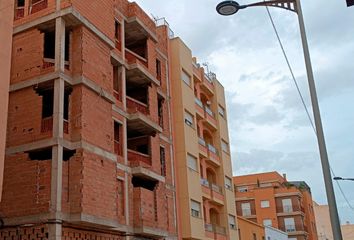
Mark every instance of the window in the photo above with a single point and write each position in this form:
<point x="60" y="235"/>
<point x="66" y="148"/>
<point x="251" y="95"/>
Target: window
<point x="49" y="45"/>
<point x="225" y="146"/>
<point x="265" y="204"/>
<point x="120" y="198"/>
<point x="287" y="205"/>
<point x="289" y="224"/>
<point x="232" y="222"/>
<point x="186" y="78"/>
<point x="267" y="222"/>
<point x="189" y="119"/>
<point x="242" y="189"/>
<point x="221" y="111"/>
<point x="163" y="161"/>
<point x="158" y="69"/>
<point x="228" y="183"/>
<point x="117" y="30"/>
<point x="47" y="103"/>
<point x="254" y="236"/>
<point x="20" y="3"/>
<point x="117" y="142"/>
<point x="195" y="209"/>
<point x="192" y="162"/>
<point x="117" y="79"/>
<point x="160" y="105"/>
<point x="246" y="209"/>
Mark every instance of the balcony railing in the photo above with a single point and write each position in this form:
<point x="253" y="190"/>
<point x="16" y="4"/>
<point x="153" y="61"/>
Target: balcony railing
<point x="204" y="182"/>
<point x="199" y="103"/>
<point x="38" y="5"/>
<point x="47" y="124"/>
<point x="209" y="111"/>
<point x="19" y="12"/>
<point x="201" y="141"/>
<point x="132" y="57"/>
<point x="215" y="228"/>
<point x="136" y="105"/>
<point x="135" y="157"/>
<point x="216" y="188"/>
<point x="212" y="149"/>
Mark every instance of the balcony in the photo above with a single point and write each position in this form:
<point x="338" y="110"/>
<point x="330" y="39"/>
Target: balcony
<point x="213" y="154"/>
<point x="146" y="214"/>
<point x="200" y="108"/>
<point x="203" y="147"/>
<point x="212" y="191"/>
<point x="290" y="210"/>
<point x="293" y="229"/>
<point x="134" y="105"/>
<point x="207" y="84"/>
<point x="137" y="71"/>
<point x="215" y="232"/>
<point x="138" y="159"/>
<point x="47" y="125"/>
<point x="210" y="117"/>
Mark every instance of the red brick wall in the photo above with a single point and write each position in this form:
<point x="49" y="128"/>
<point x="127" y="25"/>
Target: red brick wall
<point x="27" y="56"/>
<point x="96" y="112"/>
<point x="36" y="232"/>
<point x="24" y="117"/>
<point x="26" y="189"/>
<point x="96" y="63"/>
<point x="99" y="186"/>
<point x="90" y="9"/>
<point x="77" y="234"/>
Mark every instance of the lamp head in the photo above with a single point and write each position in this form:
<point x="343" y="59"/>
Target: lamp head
<point x="227" y="8"/>
<point x="338" y="178"/>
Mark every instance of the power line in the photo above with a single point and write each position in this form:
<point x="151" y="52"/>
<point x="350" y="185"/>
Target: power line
<point x="302" y="98"/>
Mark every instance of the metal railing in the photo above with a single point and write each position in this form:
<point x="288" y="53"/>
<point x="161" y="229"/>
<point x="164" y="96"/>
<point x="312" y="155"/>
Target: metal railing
<point x="201" y="141"/>
<point x="204" y="182"/>
<point x="212" y="149"/>
<point x="214" y="228"/>
<point x="209" y="111"/>
<point x="199" y="102"/>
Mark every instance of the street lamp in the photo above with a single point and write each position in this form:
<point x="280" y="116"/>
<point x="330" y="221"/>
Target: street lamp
<point x="227" y="8"/>
<point x="340" y="178"/>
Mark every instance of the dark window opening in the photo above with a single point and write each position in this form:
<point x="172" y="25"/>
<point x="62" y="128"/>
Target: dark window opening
<point x="143" y="149"/>
<point x="163" y="161"/>
<point x="160" y="111"/>
<point x="139" y="48"/>
<point x="67" y="46"/>
<point x="117" y="138"/>
<point x="49" y="45"/>
<point x="20" y="3"/>
<point x="158" y="69"/>
<point x="144" y="183"/>
<point x="138" y="93"/>
<point x="47" y="103"/>
<point x="117" y="30"/>
<point x="41" y="155"/>
<point x="117" y="82"/>
<point x="67" y="93"/>
<point x="67" y="154"/>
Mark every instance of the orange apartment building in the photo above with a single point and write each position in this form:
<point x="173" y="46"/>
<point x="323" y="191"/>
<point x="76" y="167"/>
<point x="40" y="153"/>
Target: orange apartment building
<point x="6" y="23"/>
<point x="88" y="149"/>
<point x="249" y="230"/>
<point x="205" y="193"/>
<point x="269" y="199"/>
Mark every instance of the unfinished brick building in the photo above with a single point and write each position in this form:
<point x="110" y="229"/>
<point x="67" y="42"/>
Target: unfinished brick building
<point x="89" y="149"/>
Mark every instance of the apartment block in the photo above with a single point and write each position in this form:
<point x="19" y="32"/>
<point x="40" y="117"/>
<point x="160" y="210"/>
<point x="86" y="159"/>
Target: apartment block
<point x="89" y="140"/>
<point x="6" y="22"/>
<point x="271" y="200"/>
<point x="249" y="230"/>
<point x="203" y="166"/>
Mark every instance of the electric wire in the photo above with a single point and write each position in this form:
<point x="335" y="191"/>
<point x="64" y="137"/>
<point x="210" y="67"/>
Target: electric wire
<point x="302" y="98"/>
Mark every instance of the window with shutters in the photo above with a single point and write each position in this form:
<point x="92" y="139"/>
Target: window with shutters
<point x="192" y="162"/>
<point x="186" y="78"/>
<point x="189" y="119"/>
<point x="195" y="209"/>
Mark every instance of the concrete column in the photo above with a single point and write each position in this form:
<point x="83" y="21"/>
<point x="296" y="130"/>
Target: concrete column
<point x="55" y="231"/>
<point x="6" y="28"/>
<point x="59" y="44"/>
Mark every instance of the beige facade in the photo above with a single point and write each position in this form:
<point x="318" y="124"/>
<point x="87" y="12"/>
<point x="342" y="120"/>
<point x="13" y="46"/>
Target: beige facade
<point x="203" y="164"/>
<point x="323" y="223"/>
<point x="6" y="23"/>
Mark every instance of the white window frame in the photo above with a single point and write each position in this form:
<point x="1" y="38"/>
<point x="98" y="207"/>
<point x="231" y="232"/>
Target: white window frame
<point x="246" y="209"/>
<point x="186" y="78"/>
<point x="195" y="209"/>
<point x="192" y="162"/>
<point x="289" y="224"/>
<point x="225" y="146"/>
<point x="267" y="222"/>
<point x="228" y="183"/>
<point x="242" y="189"/>
<point x="232" y="221"/>
<point x="265" y="204"/>
<point x="189" y="119"/>
<point x="287" y="205"/>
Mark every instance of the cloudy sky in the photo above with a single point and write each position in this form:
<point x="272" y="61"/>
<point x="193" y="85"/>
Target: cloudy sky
<point x="268" y="125"/>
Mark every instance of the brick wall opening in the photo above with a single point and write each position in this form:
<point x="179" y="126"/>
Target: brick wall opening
<point x="163" y="161"/>
<point x="117" y="35"/>
<point x="158" y="69"/>
<point x="40" y="154"/>
<point x="160" y="105"/>
<point x="117" y="138"/>
<point x="117" y="82"/>
<point x="49" y="45"/>
<point x="148" y="184"/>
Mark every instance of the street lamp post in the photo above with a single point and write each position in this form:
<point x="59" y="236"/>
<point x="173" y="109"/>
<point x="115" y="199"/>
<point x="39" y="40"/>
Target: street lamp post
<point x="341" y="178"/>
<point x="227" y="8"/>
